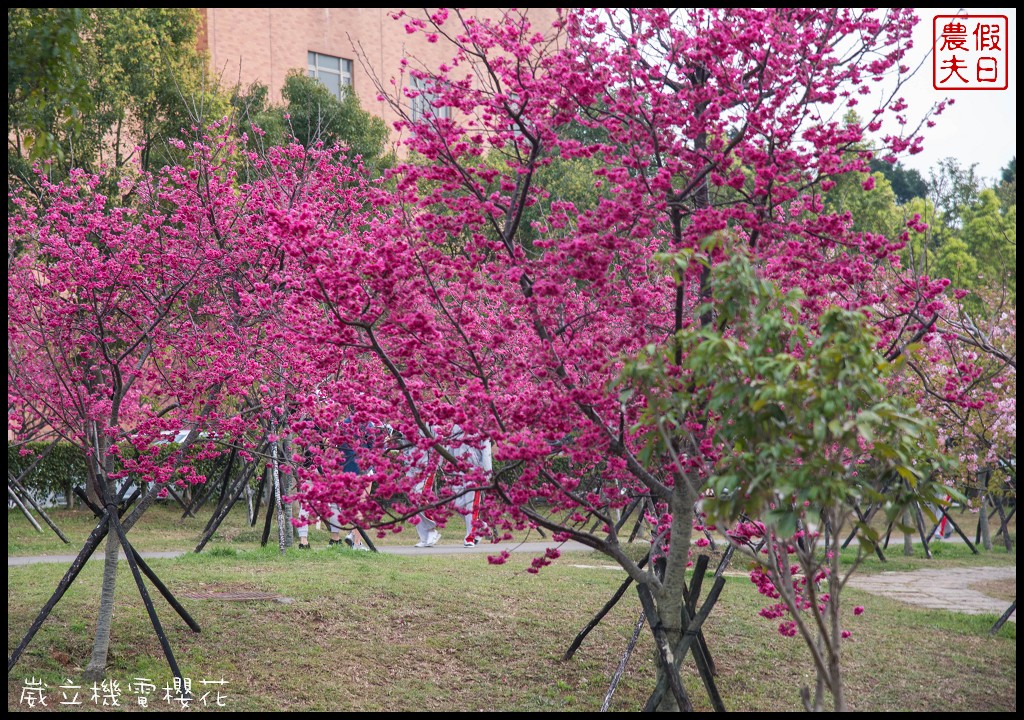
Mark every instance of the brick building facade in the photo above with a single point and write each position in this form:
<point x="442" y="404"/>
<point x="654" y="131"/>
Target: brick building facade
<point x="342" y="46"/>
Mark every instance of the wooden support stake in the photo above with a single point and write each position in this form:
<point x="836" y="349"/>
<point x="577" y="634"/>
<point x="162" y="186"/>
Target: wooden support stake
<point x="91" y="543"/>
<point x="574" y="646"/>
<point x="42" y="513"/>
<point x="1005" y="616"/>
<point x="622" y="662"/>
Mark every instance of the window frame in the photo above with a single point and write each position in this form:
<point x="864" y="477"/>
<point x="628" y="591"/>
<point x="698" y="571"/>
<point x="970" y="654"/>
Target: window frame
<point x="424" y="105"/>
<point x="315" y="68"/>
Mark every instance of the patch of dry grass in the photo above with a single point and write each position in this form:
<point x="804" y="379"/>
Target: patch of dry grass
<point x="1001" y="589"/>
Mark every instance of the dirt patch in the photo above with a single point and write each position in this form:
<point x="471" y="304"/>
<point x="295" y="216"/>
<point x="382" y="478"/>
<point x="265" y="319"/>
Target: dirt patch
<point x="234" y="593"/>
<point x="1001" y="589"/>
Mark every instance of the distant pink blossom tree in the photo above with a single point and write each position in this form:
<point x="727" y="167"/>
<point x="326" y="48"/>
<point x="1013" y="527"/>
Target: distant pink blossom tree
<point x="967" y="380"/>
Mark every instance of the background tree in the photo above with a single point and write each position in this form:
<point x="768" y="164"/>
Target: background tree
<point x="954" y="191"/>
<point x="906" y="183"/>
<point x="312" y="114"/>
<point x="990" y="235"/>
<point x="47" y="90"/>
<point x="114" y="86"/>
<point x="968" y="381"/>
<point x="1007" y="187"/>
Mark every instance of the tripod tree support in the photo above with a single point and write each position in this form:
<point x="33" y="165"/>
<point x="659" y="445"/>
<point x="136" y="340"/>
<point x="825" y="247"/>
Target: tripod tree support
<point x="575" y="645"/>
<point x="109" y="516"/>
<point x="622" y="663"/>
<point x="21" y="492"/>
<point x="146" y="570"/>
<point x="1005" y="616"/>
<point x="21" y="506"/>
<point x="692" y="634"/>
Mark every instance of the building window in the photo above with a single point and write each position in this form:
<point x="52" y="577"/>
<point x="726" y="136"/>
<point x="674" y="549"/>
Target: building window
<point x="426" y="104"/>
<point x="334" y="72"/>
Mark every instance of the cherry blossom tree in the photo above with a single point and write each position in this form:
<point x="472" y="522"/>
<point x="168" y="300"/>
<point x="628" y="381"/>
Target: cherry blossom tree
<point x="967" y="381"/>
<point x="444" y="310"/>
<point x="125" y="327"/>
<point x="468" y="299"/>
<point x="966" y="377"/>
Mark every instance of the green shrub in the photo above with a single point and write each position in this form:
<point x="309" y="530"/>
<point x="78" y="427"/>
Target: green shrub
<point x="65" y="467"/>
<point x="55" y="475"/>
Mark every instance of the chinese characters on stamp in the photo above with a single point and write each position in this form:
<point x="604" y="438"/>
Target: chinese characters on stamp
<point x="971" y="52"/>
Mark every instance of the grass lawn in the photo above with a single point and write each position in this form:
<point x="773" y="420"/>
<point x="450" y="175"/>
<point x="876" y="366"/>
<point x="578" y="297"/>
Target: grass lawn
<point x="162" y="528"/>
<point x="377" y="632"/>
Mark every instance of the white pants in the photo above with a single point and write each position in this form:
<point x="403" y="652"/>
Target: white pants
<point x="333" y="527"/>
<point x="425" y="526"/>
<point x="468" y="506"/>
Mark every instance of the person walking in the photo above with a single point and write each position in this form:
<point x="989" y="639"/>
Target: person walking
<point x="466" y="499"/>
<point x="333" y="517"/>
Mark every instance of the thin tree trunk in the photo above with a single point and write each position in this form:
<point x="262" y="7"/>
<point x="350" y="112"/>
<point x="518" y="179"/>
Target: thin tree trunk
<point x="288" y="483"/>
<point x="96" y="670"/>
<point x="986" y="531"/>
<point x="908" y="539"/>
<point x="834" y="609"/>
<point x="99" y="489"/>
<point x="282" y="542"/>
<point x="669" y="598"/>
<point x="104" y="489"/>
<point x="248" y="499"/>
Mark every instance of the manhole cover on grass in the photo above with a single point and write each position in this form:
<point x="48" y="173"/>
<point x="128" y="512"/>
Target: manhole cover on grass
<point x="238" y="595"/>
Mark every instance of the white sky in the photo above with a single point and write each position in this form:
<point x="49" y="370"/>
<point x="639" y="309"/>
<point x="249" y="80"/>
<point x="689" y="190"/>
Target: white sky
<point x="981" y="126"/>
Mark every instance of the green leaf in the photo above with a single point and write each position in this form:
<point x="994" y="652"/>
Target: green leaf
<point x="907" y="474"/>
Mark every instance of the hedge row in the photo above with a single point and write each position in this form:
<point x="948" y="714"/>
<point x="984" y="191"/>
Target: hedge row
<point x="65" y="467"/>
<point x="55" y="475"/>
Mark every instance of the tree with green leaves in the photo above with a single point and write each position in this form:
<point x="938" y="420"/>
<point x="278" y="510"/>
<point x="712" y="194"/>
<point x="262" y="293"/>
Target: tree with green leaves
<point x="47" y="90"/>
<point x="1007" y="187"/>
<point x="907" y="183"/>
<point x="311" y="114"/>
<point x="806" y="430"/>
<point x="103" y="88"/>
<point x="991" y="237"/>
<point x="954" y="190"/>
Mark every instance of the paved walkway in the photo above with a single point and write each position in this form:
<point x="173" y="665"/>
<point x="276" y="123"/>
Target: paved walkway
<point x="67" y="559"/>
<point x="945" y="589"/>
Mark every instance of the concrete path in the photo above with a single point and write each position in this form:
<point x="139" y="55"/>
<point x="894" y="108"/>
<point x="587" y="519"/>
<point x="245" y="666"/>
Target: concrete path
<point x="948" y="589"/>
<point x="536" y="548"/>
<point x="67" y="559"/>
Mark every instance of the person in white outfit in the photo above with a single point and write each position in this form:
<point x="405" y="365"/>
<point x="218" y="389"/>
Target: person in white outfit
<point x="332" y="519"/>
<point x="467" y="503"/>
<point x="352" y="540"/>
